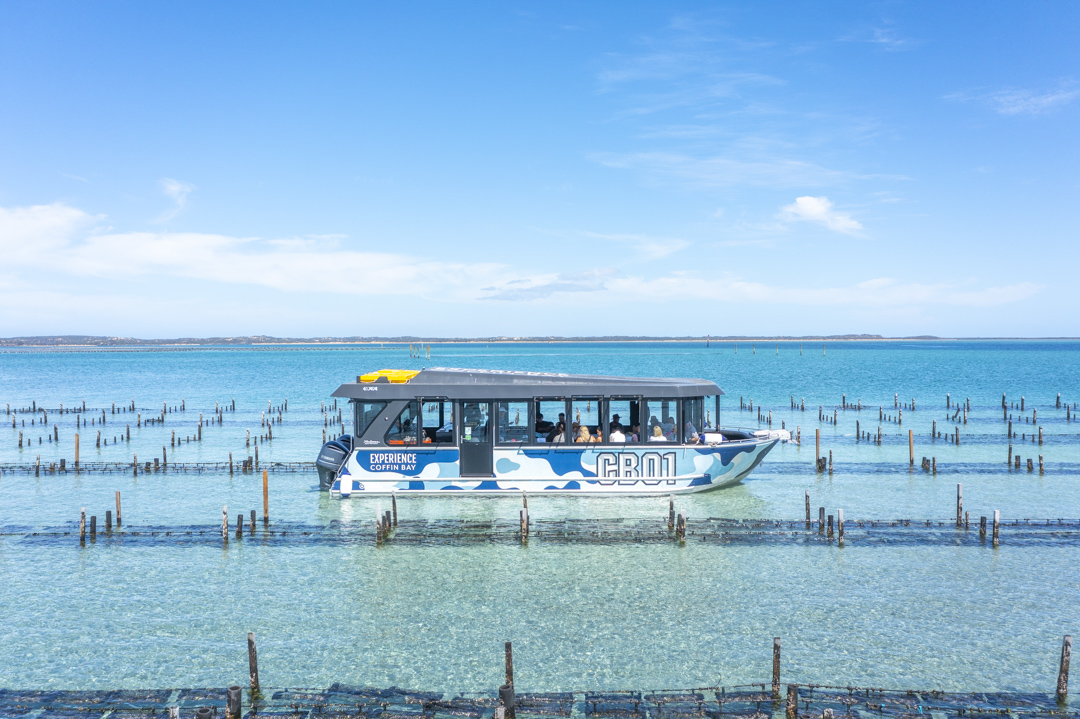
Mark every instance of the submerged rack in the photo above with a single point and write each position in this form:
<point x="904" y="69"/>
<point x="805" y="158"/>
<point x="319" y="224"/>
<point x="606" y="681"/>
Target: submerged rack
<point x="745" y="702"/>
<point x="456" y="532"/>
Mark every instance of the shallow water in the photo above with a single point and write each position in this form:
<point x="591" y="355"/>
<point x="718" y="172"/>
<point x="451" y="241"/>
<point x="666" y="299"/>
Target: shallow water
<point x="581" y="617"/>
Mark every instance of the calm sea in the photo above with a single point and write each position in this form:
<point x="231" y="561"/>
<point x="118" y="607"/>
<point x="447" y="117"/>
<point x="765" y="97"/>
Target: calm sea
<point x="581" y="617"/>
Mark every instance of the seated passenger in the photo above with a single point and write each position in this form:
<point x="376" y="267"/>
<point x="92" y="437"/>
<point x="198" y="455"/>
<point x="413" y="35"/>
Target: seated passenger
<point x="542" y="425"/>
<point x="615" y="424"/>
<point x="690" y="435"/>
<point x="583" y="434"/>
<point x="635" y="433"/>
<point x="558" y="434"/>
<point x="616" y="434"/>
<point x="668" y="426"/>
<point x="658" y="435"/>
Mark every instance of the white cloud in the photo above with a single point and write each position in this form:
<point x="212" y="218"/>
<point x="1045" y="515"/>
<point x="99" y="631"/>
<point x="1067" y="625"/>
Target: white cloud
<point x="61" y="238"/>
<point x="178" y="192"/>
<point x="820" y="210"/>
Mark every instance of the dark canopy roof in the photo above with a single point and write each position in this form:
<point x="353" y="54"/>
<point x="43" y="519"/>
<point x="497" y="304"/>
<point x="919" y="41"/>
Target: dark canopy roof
<point x="507" y="384"/>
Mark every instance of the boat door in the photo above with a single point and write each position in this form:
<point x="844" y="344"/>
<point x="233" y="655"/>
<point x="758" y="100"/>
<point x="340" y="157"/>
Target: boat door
<point x="476" y="444"/>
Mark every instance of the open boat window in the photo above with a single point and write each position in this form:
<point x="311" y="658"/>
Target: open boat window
<point x="437" y="421"/>
<point x="663" y="422"/>
<point x="586" y="426"/>
<point x="364" y="414"/>
<point x="693" y="419"/>
<point x="513" y="422"/>
<point x="403" y="430"/>
<point x="550" y="421"/>
<point x="624" y="420"/>
<point x="712" y="409"/>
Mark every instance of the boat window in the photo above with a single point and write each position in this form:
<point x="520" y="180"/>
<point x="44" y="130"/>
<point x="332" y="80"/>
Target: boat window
<point x="623" y="420"/>
<point x="712" y="409"/>
<point x="586" y="420"/>
<point x="437" y="421"/>
<point x="475" y="422"/>
<point x="663" y="422"/>
<point x="550" y="423"/>
<point x="513" y="422"/>
<point x="403" y="430"/>
<point x="365" y="414"/>
<point x="693" y="419"/>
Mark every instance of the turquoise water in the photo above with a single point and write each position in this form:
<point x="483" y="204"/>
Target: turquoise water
<point x="580" y="617"/>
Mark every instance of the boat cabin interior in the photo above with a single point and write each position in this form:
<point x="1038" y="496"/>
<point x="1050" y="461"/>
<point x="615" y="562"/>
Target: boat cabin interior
<point x="482" y="409"/>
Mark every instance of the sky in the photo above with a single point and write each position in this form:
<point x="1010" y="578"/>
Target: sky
<point x="530" y="169"/>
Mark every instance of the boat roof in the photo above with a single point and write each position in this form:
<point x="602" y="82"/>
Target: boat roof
<point x="456" y="383"/>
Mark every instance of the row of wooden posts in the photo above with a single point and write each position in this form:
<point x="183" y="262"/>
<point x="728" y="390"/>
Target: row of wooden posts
<point x="508" y="700"/>
<point x="224" y="517"/>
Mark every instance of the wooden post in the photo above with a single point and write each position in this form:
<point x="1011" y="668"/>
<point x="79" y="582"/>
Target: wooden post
<point x="982" y="527"/>
<point x="82" y="526"/>
<point x="509" y="664"/>
<point x="108" y="520"/>
<point x="225" y="524"/>
<point x="821" y="520"/>
<point x="252" y="525"/>
<point x="808" y="509"/>
<point x="911" y="447"/>
<point x="266" y="500"/>
<point x="240" y="525"/>
<point x="93" y="528"/>
<point x="776" y="666"/>
<point x="117" y="509"/>
<point x="956" y="435"/>
<point x="840" y="525"/>
<point x="77" y="447"/>
<point x="817" y="445"/>
<point x="232" y="702"/>
<point x="393" y="504"/>
<point x="230" y="464"/>
<point x="1063" y="668"/>
<point x="253" y="665"/>
<point x="997" y="523"/>
<point x="671" y="512"/>
<point x="791" y="711"/>
<point x="959" y="503"/>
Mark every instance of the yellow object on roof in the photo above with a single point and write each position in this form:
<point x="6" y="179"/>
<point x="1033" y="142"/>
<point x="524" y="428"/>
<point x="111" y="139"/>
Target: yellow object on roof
<point x="396" y="376"/>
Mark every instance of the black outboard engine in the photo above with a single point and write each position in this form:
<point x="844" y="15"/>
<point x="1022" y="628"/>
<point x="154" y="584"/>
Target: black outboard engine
<point x="331" y="457"/>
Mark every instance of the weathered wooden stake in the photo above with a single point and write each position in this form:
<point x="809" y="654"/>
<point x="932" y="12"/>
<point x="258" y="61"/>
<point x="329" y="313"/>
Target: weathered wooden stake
<point x="117" y="509"/>
<point x="393" y="505"/>
<point x="808" y="509"/>
<point x="82" y="525"/>
<point x="253" y="665"/>
<point x="776" y="666"/>
<point x="225" y="523"/>
<point x="791" y="711"/>
<point x="232" y="702"/>
<point x="840" y="525"/>
<point x="817" y="445"/>
<point x="911" y="447"/>
<point x="1063" y="668"/>
<point x="510" y="664"/>
<point x="266" y="499"/>
<point x="821" y="520"/>
<point x="108" y="520"/>
<point x="93" y="527"/>
<point x="671" y="512"/>
<point x="959" y="503"/>
<point x="997" y="524"/>
<point x="77" y="448"/>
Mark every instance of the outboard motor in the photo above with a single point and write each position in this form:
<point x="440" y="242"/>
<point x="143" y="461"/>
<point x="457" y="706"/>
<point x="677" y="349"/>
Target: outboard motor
<point x="331" y="458"/>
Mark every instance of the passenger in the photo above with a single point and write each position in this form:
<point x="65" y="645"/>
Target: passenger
<point x="583" y="435"/>
<point x="616" y="434"/>
<point x="558" y="434"/>
<point x="615" y="424"/>
<point x="668" y="426"/>
<point x="657" y="435"/>
<point x="542" y="425"/>
<point x="635" y="433"/>
<point x="690" y="433"/>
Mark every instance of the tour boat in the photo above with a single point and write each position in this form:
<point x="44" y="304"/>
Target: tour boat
<point x="445" y="430"/>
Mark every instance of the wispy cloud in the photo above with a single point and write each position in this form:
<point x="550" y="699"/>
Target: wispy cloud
<point x="178" y="192"/>
<point x="544" y="286"/>
<point x="647" y="246"/>
<point x="1023" y="101"/>
<point x="820" y="210"/>
<point x="724" y="171"/>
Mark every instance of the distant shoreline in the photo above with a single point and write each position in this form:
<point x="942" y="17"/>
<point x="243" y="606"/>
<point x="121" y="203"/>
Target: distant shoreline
<point x="88" y="341"/>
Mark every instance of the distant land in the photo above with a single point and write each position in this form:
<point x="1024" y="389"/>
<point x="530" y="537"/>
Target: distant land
<point x="96" y="341"/>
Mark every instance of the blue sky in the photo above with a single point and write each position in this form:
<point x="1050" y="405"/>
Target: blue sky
<point x="483" y="169"/>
